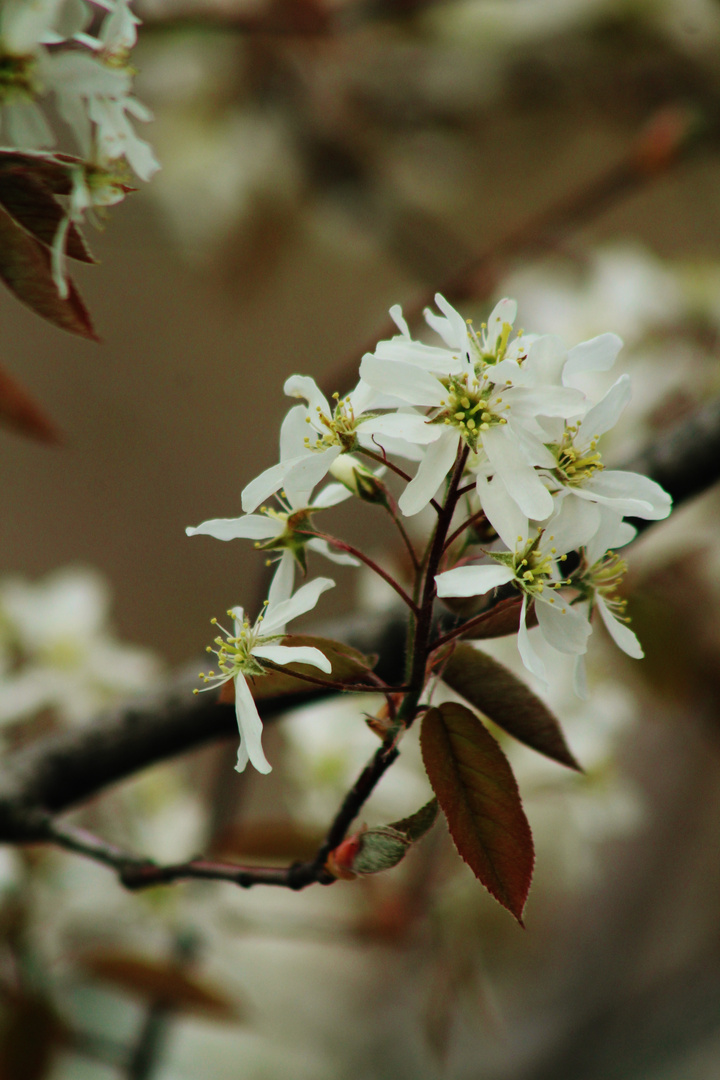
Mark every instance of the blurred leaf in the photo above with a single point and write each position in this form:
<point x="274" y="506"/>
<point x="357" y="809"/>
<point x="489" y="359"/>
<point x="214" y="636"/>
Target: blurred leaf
<point x="33" y="206"/>
<point x="479" y="796"/>
<point x="268" y="840"/>
<point x="19" y="411"/>
<point x="31" y="1034"/>
<point x="348" y="666"/>
<point x="53" y="170"/>
<point x="508" y="702"/>
<point x="159" y="983"/>
<point x="26" y="270"/>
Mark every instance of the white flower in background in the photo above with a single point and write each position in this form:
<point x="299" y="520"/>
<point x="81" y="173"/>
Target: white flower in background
<point x="241" y="654"/>
<point x="91" y="85"/>
<point x="282" y="531"/>
<point x="313" y="436"/>
<point x="67" y="659"/>
<point x="25" y="27"/>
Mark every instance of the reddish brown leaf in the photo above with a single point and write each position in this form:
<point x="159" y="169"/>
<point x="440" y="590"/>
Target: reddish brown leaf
<point x="20" y="412"/>
<point x="54" y="170"/>
<point x="26" y="270"/>
<point x="508" y="702"/>
<point x="501" y="621"/>
<point x="164" y="984"/>
<point x="31" y="203"/>
<point x="479" y="796"/>
<point x="348" y="666"/>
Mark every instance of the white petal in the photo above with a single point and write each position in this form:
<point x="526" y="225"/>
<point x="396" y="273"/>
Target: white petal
<point x="332" y="494"/>
<point x="545" y="358"/>
<point x="502" y="511"/>
<point x="612" y="532"/>
<point x="580" y="685"/>
<point x="265" y="485"/>
<point x="621" y="634"/>
<point x="504" y="311"/>
<point x="562" y="626"/>
<point x="529" y="657"/>
<point x="304" y="473"/>
<point x="472" y="580"/>
<point x="427" y="357"/>
<point x="532" y="401"/>
<point x="573" y="524"/>
<point x="409" y="426"/>
<point x="340" y="557"/>
<point x="621" y="485"/>
<point x="250" y="727"/>
<point x="305" y="599"/>
<point x="302" y="386"/>
<point x="283" y="582"/>
<point x="405" y="381"/>
<point x="248" y="527"/>
<point x="607" y="412"/>
<point x="457" y="338"/>
<point x="522" y="482"/>
<point x="293" y="654"/>
<point x="293" y="432"/>
<point x="433" y="469"/>
<point x="597" y="354"/>
<point x="397" y="317"/>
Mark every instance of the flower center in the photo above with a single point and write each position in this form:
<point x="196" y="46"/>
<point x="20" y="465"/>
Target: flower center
<point x="605" y="578"/>
<point x="339" y="428"/>
<point x="533" y="567"/>
<point x="234" y="651"/>
<point x="575" y="466"/>
<point x="470" y="409"/>
<point x="16" y="77"/>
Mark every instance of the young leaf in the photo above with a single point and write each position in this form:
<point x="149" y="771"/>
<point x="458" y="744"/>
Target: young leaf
<point x="479" y="796"/>
<point x="20" y="412"/>
<point x="415" y="826"/>
<point x="54" y="170"/>
<point x="26" y="270"/>
<point x="508" y="702"/>
<point x="33" y="206"/>
<point x="371" y="851"/>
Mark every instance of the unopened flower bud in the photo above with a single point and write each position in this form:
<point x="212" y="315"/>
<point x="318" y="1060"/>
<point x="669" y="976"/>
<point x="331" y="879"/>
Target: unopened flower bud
<point x="359" y="479"/>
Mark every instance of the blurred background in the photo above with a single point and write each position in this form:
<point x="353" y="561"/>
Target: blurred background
<point x="322" y="160"/>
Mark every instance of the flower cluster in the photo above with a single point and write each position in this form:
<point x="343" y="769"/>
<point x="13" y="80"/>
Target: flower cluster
<point x="508" y="455"/>
<point x="77" y="54"/>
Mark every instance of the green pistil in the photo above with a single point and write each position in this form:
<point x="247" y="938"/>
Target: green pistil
<point x="533" y="568"/>
<point x="467" y="410"/>
<point x="17" y="77"/>
<point x="234" y="652"/>
<point x="501" y="347"/>
<point x="577" y="466"/>
<point x="340" y="427"/>
<point x="290" y="539"/>
<point x="605" y="578"/>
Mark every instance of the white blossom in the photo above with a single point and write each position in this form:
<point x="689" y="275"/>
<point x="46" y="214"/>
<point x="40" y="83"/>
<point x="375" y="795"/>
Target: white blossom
<point x="241" y="654"/>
